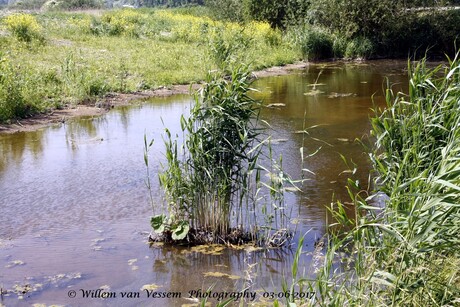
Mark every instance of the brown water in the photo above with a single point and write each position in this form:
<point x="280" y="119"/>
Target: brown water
<point x="74" y="209"/>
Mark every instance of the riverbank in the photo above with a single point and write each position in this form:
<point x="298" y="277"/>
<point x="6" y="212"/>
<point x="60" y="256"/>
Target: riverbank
<point x="103" y="105"/>
<point x="53" y="60"/>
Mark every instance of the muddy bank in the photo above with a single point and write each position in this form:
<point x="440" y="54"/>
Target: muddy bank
<point x="103" y="105"/>
<point x="99" y="107"/>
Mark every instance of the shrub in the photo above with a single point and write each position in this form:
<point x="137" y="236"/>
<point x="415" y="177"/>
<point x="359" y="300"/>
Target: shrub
<point x="339" y="46"/>
<point x="416" y="32"/>
<point x="122" y="22"/>
<point x="316" y="44"/>
<point x="24" y="27"/>
<point x="359" y="48"/>
<point x="354" y="18"/>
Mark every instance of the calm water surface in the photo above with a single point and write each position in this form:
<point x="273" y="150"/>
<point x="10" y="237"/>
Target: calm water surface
<point x="74" y="210"/>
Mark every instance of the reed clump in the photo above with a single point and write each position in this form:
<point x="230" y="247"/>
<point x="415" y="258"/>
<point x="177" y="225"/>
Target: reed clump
<point x="213" y="180"/>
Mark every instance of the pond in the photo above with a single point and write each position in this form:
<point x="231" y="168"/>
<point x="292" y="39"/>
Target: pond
<point x="74" y="208"/>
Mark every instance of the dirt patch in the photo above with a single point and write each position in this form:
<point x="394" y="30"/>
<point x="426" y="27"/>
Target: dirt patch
<point x="103" y="105"/>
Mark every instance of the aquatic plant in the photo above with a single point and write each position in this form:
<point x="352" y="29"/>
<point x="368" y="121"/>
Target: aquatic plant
<point x="213" y="179"/>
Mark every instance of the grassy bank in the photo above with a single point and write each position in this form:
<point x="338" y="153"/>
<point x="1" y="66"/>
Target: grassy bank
<point x="55" y="59"/>
<point x="404" y="249"/>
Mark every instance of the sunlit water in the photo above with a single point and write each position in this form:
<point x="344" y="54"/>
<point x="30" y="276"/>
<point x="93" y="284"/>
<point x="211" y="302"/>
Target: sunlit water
<point x="74" y="209"/>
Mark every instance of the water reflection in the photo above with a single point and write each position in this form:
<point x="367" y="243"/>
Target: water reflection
<point x="65" y="186"/>
<point x="15" y="147"/>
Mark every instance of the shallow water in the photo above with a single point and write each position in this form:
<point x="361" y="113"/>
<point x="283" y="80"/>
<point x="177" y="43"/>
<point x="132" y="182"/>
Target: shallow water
<point x="74" y="209"/>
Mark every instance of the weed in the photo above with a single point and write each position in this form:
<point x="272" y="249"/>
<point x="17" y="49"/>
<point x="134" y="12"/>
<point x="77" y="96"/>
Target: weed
<point x="24" y="27"/>
<point x="212" y="179"/>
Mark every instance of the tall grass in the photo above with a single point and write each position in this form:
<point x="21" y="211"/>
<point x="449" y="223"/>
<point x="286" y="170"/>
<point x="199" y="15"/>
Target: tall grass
<point x="213" y="179"/>
<point x="406" y="254"/>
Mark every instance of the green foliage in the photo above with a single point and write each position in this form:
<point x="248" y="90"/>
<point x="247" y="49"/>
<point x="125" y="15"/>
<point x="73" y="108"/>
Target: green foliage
<point x="171" y="3"/>
<point x="27" y="4"/>
<point x="415" y="32"/>
<point x="120" y="22"/>
<point x="365" y="28"/>
<point x="359" y="48"/>
<point x="12" y="101"/>
<point x="230" y="10"/>
<point x="314" y="43"/>
<point x="219" y="136"/>
<point x="279" y="13"/>
<point x="355" y="18"/>
<point x="339" y="47"/>
<point x="226" y="47"/>
<point x="24" y="27"/>
<point x="179" y="229"/>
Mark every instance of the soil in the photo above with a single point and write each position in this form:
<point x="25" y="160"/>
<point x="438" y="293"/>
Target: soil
<point x="204" y="237"/>
<point x="111" y="100"/>
<point x="235" y="237"/>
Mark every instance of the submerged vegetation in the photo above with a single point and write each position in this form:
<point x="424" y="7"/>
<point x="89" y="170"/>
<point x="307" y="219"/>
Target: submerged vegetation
<point x="404" y="251"/>
<point x="213" y="181"/>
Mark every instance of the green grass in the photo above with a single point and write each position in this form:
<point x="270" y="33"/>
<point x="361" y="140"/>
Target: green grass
<point x="81" y="57"/>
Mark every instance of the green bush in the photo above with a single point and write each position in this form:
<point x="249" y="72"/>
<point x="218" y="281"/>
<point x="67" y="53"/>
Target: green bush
<point x="316" y="44"/>
<point x="273" y="38"/>
<point x="210" y="180"/>
<point x="359" y="48"/>
<point x="24" y="27"/>
<point x="230" y="10"/>
<point x="435" y="31"/>
<point x="339" y="46"/>
<point x="355" y="18"/>
<point x="123" y="22"/>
